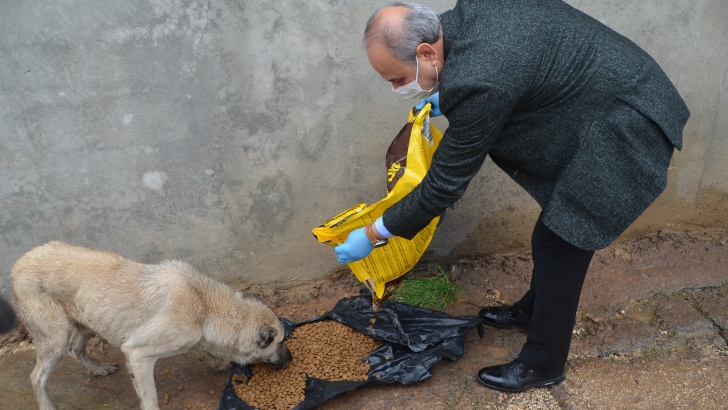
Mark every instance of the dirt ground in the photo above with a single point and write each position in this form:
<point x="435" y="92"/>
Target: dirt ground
<point x="650" y="334"/>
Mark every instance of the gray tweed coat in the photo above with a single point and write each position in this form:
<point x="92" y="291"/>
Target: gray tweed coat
<point x="578" y="115"/>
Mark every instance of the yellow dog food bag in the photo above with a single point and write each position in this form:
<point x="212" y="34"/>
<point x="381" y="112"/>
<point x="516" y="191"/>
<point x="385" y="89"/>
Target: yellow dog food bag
<point x="408" y="159"/>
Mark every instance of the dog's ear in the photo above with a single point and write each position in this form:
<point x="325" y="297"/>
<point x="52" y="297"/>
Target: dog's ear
<point x="243" y="295"/>
<point x="266" y="336"/>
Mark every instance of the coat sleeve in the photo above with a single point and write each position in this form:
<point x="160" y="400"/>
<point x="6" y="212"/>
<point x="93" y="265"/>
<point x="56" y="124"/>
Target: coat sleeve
<point x="475" y="123"/>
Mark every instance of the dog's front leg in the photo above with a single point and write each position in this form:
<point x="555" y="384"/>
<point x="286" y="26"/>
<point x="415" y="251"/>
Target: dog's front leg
<point x="141" y="370"/>
<point x="214" y="361"/>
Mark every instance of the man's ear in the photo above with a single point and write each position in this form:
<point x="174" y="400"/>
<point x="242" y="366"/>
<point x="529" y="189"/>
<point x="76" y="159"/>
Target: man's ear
<point x="266" y="336"/>
<point x="427" y="52"/>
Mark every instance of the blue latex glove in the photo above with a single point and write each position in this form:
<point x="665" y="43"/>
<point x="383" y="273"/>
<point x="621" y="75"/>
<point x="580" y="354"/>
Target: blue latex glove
<point x="357" y="246"/>
<point x="434" y="99"/>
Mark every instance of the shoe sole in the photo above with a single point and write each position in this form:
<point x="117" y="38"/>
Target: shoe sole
<point x="545" y="383"/>
<point x="502" y="326"/>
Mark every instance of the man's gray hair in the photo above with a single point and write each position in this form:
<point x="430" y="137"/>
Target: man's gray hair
<point x="419" y="25"/>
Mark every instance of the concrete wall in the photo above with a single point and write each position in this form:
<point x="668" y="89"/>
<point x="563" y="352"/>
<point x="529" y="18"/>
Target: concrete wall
<point x="222" y="131"/>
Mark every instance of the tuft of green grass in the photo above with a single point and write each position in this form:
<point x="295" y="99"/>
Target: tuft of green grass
<point x="435" y="292"/>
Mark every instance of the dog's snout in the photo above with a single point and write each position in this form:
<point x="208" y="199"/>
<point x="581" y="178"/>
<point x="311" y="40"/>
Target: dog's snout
<point x="284" y="357"/>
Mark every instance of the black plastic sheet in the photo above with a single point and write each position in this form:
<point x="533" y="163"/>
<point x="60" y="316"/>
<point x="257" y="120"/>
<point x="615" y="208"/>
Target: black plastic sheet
<point x="414" y="340"/>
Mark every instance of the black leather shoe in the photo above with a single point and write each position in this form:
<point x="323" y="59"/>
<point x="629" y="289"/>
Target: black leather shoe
<point x="504" y="317"/>
<point x="514" y="377"/>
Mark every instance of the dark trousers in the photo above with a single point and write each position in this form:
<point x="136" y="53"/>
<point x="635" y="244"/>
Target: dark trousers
<point x="558" y="274"/>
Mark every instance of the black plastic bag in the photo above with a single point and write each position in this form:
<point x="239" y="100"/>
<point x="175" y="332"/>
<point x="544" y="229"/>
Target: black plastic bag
<point x="414" y="340"/>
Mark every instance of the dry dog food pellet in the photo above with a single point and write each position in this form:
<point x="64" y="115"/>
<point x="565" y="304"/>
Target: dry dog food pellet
<point x="372" y="320"/>
<point x="323" y="350"/>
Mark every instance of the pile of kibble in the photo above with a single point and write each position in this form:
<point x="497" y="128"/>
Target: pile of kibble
<point x="324" y="350"/>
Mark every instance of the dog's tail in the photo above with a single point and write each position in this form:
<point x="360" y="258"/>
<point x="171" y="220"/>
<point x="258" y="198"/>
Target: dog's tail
<point x="41" y="314"/>
<point x="43" y="317"/>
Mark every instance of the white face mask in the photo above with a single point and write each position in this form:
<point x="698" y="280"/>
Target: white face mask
<point x="413" y="90"/>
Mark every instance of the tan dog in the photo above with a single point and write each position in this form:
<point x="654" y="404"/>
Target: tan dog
<point x="64" y="294"/>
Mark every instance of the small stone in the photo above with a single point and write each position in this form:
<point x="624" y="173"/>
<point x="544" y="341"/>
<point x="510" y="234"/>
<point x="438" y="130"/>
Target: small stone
<point x="166" y="371"/>
<point x="88" y="380"/>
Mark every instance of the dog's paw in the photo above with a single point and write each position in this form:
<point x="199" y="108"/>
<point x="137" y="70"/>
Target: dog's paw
<point x="221" y="366"/>
<point x="104" y="369"/>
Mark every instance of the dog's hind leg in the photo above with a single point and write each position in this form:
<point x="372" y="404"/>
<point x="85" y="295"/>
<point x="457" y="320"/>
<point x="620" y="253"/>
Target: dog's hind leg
<point x="47" y="358"/>
<point x="50" y="328"/>
<point x="51" y="341"/>
<point x="79" y="339"/>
